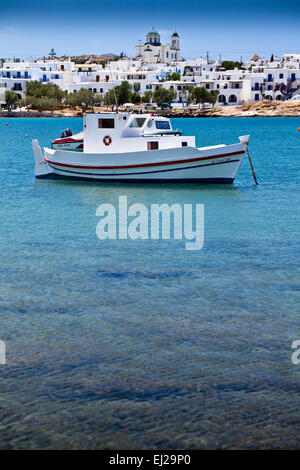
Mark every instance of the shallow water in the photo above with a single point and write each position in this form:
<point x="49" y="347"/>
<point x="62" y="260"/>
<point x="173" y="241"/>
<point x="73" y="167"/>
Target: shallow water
<point x="123" y="344"/>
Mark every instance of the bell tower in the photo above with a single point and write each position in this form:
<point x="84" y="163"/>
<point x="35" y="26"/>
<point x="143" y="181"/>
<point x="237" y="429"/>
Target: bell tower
<point x="175" y="44"/>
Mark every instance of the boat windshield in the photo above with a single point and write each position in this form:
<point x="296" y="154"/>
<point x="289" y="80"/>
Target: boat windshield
<point x="137" y="122"/>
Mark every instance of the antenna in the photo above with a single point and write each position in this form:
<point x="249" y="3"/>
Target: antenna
<point x="117" y="108"/>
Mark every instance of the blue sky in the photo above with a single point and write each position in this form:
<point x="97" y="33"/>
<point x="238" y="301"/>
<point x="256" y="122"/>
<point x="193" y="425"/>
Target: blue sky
<point x="230" y="27"/>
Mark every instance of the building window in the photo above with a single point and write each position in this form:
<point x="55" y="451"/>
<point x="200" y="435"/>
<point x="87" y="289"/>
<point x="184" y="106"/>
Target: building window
<point x="184" y="144"/>
<point x="152" y="145"/>
<point x="162" y="124"/>
<point x="137" y="122"/>
<point x="106" y="123"/>
<point x="281" y="75"/>
<point x="256" y="97"/>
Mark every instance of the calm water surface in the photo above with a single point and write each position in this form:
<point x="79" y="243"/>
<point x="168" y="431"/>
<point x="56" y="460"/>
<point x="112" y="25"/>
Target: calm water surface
<point x="125" y="345"/>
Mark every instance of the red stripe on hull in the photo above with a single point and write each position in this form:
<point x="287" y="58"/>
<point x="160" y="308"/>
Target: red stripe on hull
<point x="143" y="164"/>
<point x="67" y="141"/>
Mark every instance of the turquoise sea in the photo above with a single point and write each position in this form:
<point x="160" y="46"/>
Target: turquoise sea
<point x="122" y="344"/>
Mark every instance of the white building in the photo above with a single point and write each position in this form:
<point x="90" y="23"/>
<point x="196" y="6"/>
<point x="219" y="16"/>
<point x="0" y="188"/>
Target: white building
<point x="276" y="79"/>
<point x="152" y="51"/>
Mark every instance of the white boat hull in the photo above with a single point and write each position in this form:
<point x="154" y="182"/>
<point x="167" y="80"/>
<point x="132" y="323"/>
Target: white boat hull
<point x="217" y="164"/>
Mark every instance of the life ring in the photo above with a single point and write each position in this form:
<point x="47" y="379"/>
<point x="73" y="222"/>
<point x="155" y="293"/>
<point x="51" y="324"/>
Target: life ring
<point x="107" y="140"/>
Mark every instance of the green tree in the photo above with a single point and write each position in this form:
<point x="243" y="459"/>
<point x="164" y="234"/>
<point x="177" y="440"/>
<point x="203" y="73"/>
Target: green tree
<point x="162" y="95"/>
<point x="43" y="103"/>
<point x="147" y="96"/>
<point x="124" y="93"/>
<point x="53" y="91"/>
<point x="109" y="99"/>
<point x="214" y="96"/>
<point x="82" y="98"/>
<point x="201" y="95"/>
<point x="135" y="98"/>
<point x="34" y="88"/>
<point x="37" y="89"/>
<point x="47" y="104"/>
<point x="174" y="76"/>
<point x="97" y="98"/>
<point x="231" y="65"/>
<point x="11" y="99"/>
<point x="187" y="93"/>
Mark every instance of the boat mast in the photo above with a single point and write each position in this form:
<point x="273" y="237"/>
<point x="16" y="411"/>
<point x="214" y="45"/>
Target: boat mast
<point x="115" y="95"/>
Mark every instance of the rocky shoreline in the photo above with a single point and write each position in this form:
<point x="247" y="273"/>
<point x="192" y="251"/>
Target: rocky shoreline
<point x="260" y="109"/>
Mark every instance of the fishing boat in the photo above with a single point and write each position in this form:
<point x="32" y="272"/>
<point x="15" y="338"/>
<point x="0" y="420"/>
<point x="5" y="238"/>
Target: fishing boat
<point x="136" y="147"/>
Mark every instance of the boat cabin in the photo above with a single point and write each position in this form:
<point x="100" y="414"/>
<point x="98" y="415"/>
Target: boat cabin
<point x="127" y="132"/>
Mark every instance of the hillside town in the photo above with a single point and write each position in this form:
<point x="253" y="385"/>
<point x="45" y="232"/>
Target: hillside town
<point x="158" y="66"/>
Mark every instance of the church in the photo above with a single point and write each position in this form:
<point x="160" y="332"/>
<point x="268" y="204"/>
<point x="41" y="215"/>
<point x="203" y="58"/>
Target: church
<point x="152" y="51"/>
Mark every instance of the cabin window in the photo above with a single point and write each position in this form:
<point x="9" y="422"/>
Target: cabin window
<point x="137" y="122"/>
<point x="152" y="145"/>
<point x="184" y="144"/>
<point x="162" y="124"/>
<point x="106" y="123"/>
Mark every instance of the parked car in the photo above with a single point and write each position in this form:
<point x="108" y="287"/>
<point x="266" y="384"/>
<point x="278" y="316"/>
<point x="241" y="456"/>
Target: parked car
<point x="150" y="106"/>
